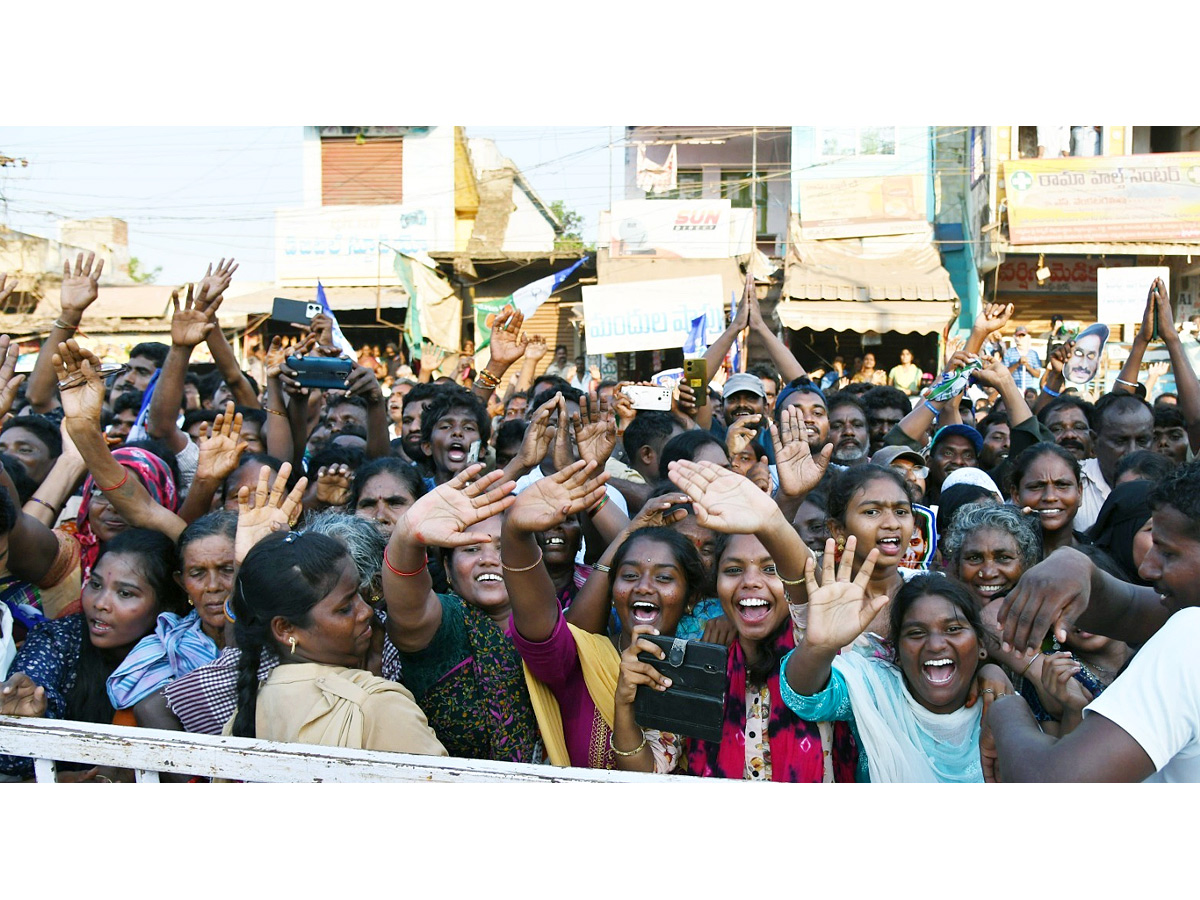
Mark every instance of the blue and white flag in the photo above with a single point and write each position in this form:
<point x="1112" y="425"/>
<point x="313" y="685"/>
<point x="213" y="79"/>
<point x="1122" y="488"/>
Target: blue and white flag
<point x="138" y="431"/>
<point x="338" y="337"/>
<point x="530" y="297"/>
<point x="735" y="362"/>
<point x="695" y="343"/>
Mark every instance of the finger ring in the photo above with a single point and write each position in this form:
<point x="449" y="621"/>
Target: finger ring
<point x="71" y="382"/>
<point x="988" y="691"/>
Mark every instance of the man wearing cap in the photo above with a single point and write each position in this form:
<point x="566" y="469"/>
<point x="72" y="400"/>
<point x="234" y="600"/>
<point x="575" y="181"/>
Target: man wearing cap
<point x="1023" y="361"/>
<point x="954" y="447"/>
<point x="744" y="396"/>
<point x="910" y="462"/>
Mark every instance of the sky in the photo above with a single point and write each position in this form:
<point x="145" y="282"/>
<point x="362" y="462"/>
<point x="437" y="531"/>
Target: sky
<point x="193" y="195"/>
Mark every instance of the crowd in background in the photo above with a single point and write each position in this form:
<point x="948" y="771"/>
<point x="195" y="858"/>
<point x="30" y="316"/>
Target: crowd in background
<point x="991" y="583"/>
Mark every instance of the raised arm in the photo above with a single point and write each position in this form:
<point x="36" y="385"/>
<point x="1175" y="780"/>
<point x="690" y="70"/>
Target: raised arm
<point x="190" y="325"/>
<point x="992" y="317"/>
<point x="728" y="502"/>
<point x="506" y="347"/>
<point x="82" y="404"/>
<point x="996" y="375"/>
<point x="439" y="519"/>
<point x="715" y="354"/>
<point x="220" y="450"/>
<point x="1186" y="384"/>
<point x="222" y="354"/>
<point x="80" y="288"/>
<point x="785" y="363"/>
<point x="1067" y="589"/>
<point x="544" y="504"/>
<point x="798" y="470"/>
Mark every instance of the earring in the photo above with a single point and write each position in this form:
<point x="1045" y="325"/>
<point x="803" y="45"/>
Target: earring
<point x="190" y="603"/>
<point x="229" y="612"/>
<point x="983" y="653"/>
<point x="841" y="544"/>
<point x="292" y="641"/>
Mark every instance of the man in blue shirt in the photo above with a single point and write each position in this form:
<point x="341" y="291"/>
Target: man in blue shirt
<point x="1023" y="361"/>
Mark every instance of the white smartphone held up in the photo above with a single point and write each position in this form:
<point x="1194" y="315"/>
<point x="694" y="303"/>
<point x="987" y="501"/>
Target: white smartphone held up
<point x="648" y="396"/>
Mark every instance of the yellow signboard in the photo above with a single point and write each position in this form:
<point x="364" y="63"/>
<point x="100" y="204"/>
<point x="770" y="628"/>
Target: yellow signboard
<point x="1150" y="197"/>
<point x="860" y="207"/>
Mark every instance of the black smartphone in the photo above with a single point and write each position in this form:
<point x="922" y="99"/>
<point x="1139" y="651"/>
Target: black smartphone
<point x="694" y="704"/>
<point x="695" y="373"/>
<point x="324" y="372"/>
<point x="297" y="311"/>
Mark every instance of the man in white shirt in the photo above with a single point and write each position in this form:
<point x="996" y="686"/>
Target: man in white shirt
<point x="1124" y="425"/>
<point x="1146" y="725"/>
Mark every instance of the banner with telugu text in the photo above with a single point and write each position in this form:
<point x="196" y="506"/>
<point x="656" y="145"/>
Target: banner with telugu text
<point x="1150" y="197"/>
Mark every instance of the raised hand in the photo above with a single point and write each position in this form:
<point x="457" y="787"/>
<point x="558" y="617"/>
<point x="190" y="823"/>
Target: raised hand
<point x="536" y="348"/>
<point x="268" y="510"/>
<point x="213" y="284"/>
<point x="723" y="500"/>
<point x="84" y="400"/>
<point x="1166" y="323"/>
<point x="536" y="443"/>
<point x="508" y="344"/>
<point x="441" y="518"/>
<point x="839" y="609"/>
<point x="595" y="430"/>
<point x="321" y="328"/>
<point x="552" y="500"/>
<point x="798" y="470"/>
<point x="1157" y="370"/>
<point x="81" y="285"/>
<point x="191" y="324"/>
<point x="623" y="407"/>
<point x="9" y="382"/>
<point x="221" y="449"/>
<point x="993" y="317"/>
<point x="21" y="696"/>
<point x="684" y="400"/>
<point x="333" y="484"/>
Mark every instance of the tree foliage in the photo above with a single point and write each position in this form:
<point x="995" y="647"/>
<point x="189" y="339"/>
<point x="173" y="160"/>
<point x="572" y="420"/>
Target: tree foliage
<point x="143" y="276"/>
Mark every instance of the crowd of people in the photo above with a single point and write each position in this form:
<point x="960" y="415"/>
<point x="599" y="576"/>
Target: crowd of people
<point x="910" y="586"/>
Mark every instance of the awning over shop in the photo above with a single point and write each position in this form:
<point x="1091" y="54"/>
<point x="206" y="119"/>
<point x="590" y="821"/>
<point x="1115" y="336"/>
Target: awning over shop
<point x="904" y="316"/>
<point x="885" y="283"/>
<point x="890" y="267"/>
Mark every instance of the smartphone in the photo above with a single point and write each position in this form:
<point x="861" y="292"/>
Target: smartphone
<point x="695" y="373"/>
<point x="648" y="396"/>
<point x="473" y="453"/>
<point x="297" y="311"/>
<point x="322" y="372"/>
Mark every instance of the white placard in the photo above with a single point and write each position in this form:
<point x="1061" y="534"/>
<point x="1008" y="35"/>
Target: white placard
<point x="1121" y="292"/>
<point x="651" y="315"/>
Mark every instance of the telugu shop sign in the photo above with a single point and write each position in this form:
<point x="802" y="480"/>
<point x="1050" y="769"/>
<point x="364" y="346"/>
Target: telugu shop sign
<point x="1149" y="198"/>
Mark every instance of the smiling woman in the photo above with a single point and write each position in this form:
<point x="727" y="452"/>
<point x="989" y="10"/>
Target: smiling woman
<point x="910" y="717"/>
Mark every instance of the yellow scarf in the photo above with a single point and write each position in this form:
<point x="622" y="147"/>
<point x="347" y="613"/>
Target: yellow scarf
<point x="601" y="666"/>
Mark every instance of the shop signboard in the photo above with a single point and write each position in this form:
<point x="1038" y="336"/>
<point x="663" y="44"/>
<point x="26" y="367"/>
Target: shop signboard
<point x="671" y="229"/>
<point x="862" y="206"/>
<point x="342" y="244"/>
<point x="1147" y="198"/>
<point x="1121" y="292"/>
<point x="651" y="315"/>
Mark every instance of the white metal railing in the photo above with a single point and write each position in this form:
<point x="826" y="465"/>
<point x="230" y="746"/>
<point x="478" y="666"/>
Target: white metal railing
<point x="149" y="751"/>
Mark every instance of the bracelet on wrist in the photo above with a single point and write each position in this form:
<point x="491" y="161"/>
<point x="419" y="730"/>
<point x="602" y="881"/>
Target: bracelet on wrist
<point x="1052" y="393"/>
<point x="635" y="752"/>
<point x="1132" y="384"/>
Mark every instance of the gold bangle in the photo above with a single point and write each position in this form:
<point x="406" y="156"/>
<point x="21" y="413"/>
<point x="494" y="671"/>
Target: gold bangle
<point x="1030" y="663"/>
<point x="785" y="581"/>
<point x="640" y="747"/>
<point x="276" y="412"/>
<point x="59" y="323"/>
<point x="527" y="568"/>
